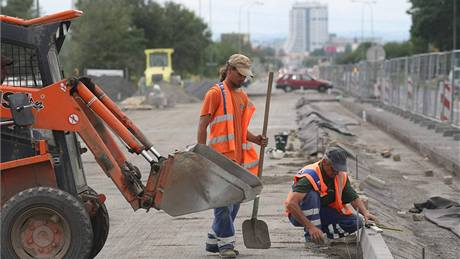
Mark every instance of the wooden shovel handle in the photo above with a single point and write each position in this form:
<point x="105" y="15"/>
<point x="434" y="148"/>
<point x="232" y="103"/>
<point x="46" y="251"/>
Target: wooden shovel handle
<point x="264" y="133"/>
<point x="264" y="129"/>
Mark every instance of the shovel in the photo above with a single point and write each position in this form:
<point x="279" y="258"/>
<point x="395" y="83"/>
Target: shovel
<point x="255" y="232"/>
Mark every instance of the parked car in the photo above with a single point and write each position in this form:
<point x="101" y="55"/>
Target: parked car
<point x="289" y="82"/>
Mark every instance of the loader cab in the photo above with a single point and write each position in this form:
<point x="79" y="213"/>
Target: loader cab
<point x="158" y="66"/>
<point x="33" y="47"/>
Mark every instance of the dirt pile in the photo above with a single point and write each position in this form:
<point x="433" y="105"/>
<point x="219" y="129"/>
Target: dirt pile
<point x="178" y="93"/>
<point x="198" y="89"/>
<point x="117" y="88"/>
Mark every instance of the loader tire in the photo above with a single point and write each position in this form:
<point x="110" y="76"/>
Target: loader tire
<point x="45" y="222"/>
<point x="100" y="223"/>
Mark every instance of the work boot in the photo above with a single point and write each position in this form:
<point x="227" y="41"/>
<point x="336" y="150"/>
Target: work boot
<point x="214" y="249"/>
<point x="228" y="253"/>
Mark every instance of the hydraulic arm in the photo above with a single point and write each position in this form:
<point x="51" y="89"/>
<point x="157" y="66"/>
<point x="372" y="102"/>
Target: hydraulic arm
<point x="185" y="182"/>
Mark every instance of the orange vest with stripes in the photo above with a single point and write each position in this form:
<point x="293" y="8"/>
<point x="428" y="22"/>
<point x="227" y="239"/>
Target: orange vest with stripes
<point x="313" y="173"/>
<point x="222" y="131"/>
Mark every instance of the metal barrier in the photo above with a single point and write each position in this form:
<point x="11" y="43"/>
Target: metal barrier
<point x="421" y="84"/>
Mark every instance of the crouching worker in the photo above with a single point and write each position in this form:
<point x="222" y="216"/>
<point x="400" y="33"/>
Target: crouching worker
<point x="319" y="196"/>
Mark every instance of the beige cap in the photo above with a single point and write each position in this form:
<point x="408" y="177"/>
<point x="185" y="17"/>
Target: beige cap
<point x="241" y="63"/>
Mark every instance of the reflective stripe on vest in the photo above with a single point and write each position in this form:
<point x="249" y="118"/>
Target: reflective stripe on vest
<point x="221" y="139"/>
<point x="250" y="165"/>
<point x="221" y="118"/>
<point x="247" y="146"/>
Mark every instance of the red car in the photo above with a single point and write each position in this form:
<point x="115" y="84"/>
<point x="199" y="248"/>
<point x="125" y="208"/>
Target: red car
<point x="289" y="82"/>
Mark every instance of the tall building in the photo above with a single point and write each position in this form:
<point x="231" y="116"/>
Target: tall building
<point x="308" y="27"/>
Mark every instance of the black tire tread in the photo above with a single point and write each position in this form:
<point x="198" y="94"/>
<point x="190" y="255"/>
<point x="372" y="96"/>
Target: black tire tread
<point x="47" y="196"/>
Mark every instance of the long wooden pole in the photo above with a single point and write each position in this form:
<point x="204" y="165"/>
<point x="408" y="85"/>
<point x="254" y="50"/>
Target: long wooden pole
<point x="264" y="133"/>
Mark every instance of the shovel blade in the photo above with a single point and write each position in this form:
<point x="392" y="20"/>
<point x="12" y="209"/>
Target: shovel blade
<point x="255" y="234"/>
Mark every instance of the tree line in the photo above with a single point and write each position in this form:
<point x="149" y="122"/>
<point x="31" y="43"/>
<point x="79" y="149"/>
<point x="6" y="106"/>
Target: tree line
<point x="114" y="34"/>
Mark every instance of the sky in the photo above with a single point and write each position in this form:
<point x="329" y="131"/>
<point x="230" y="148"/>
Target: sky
<point x="269" y="19"/>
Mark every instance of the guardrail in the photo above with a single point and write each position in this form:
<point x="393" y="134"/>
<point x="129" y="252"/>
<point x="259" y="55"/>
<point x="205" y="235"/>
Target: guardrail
<point x="421" y="84"/>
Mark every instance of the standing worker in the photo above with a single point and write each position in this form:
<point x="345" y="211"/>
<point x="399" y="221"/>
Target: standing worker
<point x="227" y="110"/>
<point x="319" y="196"/>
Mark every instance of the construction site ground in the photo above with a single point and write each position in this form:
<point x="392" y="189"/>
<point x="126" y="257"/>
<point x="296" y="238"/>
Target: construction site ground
<point x="157" y="235"/>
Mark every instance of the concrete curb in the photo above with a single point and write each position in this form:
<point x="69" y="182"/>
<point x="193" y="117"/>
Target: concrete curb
<point x="373" y="245"/>
<point x="407" y="137"/>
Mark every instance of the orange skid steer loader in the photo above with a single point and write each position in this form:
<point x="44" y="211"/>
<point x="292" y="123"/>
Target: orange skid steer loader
<point x="48" y="210"/>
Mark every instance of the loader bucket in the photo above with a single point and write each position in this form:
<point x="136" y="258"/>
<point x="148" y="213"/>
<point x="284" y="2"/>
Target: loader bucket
<point x="201" y="179"/>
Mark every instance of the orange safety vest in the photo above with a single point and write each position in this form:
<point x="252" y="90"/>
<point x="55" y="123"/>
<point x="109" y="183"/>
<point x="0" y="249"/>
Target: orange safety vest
<point x="222" y="131"/>
<point x="313" y="173"/>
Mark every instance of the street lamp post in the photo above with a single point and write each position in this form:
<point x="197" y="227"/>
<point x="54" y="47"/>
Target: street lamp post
<point x="369" y="3"/>
<point x="239" y="26"/>
<point x="248" y="5"/>
<point x="249" y="14"/>
<point x="210" y="15"/>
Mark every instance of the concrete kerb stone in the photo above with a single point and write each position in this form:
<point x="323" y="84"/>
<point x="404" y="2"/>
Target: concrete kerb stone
<point x="375" y="182"/>
<point x="373" y="245"/>
<point x="448" y="179"/>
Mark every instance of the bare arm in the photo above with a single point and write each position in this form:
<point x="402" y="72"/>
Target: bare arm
<point x="202" y="127"/>
<point x="292" y="205"/>
<point x="359" y="206"/>
<point x="259" y="139"/>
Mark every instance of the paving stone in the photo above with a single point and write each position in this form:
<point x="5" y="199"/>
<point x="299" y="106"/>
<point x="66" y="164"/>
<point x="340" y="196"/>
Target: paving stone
<point x="418" y="217"/>
<point x="448" y="179"/>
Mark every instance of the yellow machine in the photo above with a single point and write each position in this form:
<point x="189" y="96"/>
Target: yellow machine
<point x="158" y="66"/>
